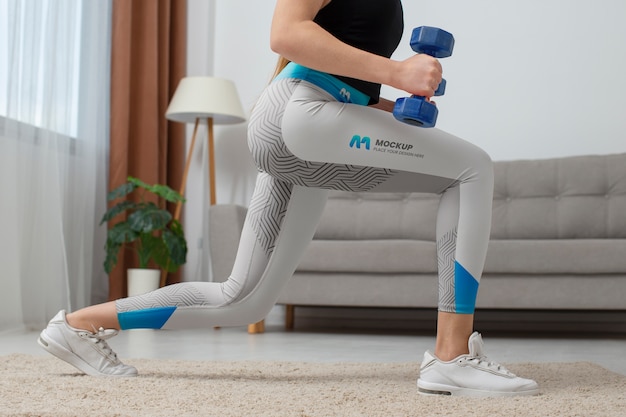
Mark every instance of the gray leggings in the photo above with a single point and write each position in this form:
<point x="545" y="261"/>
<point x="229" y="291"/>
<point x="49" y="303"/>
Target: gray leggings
<point x="304" y="143"/>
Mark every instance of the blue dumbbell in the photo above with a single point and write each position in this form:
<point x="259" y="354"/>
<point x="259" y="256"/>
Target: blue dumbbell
<point x="416" y="110"/>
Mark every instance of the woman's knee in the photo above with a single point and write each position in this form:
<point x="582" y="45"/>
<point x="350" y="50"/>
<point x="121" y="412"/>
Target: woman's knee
<point x="482" y="165"/>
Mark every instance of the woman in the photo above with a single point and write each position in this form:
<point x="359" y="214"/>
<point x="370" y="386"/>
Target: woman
<point x="308" y="134"/>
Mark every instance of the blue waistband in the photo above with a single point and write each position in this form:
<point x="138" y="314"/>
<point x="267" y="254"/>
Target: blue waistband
<point x="341" y="91"/>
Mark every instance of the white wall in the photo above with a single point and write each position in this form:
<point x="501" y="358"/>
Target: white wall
<point x="528" y="79"/>
<point x="532" y="79"/>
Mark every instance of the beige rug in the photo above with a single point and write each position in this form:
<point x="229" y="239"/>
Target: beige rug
<point x="45" y="386"/>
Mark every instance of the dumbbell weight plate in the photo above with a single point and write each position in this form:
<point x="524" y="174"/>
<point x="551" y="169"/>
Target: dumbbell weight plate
<point x="415" y="111"/>
<point x="432" y="41"/>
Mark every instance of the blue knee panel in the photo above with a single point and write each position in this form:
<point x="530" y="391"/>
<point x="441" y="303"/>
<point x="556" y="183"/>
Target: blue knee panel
<point x="149" y="318"/>
<point x="465" y="290"/>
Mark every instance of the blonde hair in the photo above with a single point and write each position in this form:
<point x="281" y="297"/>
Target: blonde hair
<point x="280" y="64"/>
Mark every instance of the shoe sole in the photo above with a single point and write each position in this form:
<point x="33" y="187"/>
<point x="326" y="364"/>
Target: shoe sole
<point x="431" y="389"/>
<point x="71" y="358"/>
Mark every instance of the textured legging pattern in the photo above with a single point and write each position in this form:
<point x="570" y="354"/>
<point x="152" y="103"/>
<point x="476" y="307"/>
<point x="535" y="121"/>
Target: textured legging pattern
<point x="446" y="248"/>
<point x="272" y="156"/>
<point x="267" y="209"/>
<point x="300" y="139"/>
<point x="172" y="295"/>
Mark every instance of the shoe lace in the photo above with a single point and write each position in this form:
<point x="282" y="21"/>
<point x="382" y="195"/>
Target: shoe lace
<point x="484" y="362"/>
<point x="99" y="339"/>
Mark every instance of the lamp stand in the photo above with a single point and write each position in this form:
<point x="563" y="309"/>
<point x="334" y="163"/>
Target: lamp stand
<point x="211" y="157"/>
<point x="183" y="184"/>
<point x="211" y="152"/>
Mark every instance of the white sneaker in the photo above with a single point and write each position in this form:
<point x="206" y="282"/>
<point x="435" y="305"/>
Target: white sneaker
<point x="82" y="349"/>
<point x="471" y="375"/>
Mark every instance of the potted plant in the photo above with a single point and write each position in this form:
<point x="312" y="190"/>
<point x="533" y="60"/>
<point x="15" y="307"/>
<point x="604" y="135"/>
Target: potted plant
<point x="149" y="230"/>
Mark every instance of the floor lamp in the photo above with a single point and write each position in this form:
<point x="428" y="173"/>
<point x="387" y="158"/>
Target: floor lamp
<point x="214" y="100"/>
<point x="204" y="98"/>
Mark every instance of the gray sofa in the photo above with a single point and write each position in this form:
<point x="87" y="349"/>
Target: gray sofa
<point x="558" y="242"/>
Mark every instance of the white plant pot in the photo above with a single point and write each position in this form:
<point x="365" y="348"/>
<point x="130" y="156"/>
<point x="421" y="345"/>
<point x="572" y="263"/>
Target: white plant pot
<point x="141" y="281"/>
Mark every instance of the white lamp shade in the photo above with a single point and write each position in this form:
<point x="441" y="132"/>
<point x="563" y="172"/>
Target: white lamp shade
<point x="204" y="97"/>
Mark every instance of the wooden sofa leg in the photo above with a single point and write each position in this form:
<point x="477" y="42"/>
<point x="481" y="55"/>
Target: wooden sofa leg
<point x="289" y="316"/>
<point x="258" y="327"/>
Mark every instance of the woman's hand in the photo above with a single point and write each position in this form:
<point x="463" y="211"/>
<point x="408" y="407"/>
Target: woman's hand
<point x="419" y="75"/>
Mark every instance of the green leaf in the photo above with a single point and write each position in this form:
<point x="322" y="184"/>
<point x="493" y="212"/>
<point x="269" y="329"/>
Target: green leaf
<point x="118" y="209"/>
<point x="160" y="254"/>
<point x="176" y="246"/>
<point x="111" y="256"/>
<point x="138" y="183"/>
<point x="162" y="191"/>
<point x="121" y="191"/>
<point x="149" y="218"/>
<point x="121" y="233"/>
<point x="167" y="193"/>
<point x="177" y="228"/>
<point x="150" y="247"/>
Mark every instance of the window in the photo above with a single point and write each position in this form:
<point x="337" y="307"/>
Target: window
<point x="40" y="52"/>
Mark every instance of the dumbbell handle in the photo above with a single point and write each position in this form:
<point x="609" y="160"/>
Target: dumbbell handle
<point x="417" y="110"/>
<point x="422" y="41"/>
<point x="441" y="89"/>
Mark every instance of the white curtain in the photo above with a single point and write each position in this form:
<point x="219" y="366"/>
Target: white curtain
<point x="54" y="95"/>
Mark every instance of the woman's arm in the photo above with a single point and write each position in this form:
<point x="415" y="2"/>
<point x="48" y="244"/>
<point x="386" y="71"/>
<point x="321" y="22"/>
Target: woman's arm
<point x="298" y="38"/>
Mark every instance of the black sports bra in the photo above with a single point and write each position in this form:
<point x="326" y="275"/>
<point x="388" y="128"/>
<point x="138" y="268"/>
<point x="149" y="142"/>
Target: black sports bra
<point x="375" y="26"/>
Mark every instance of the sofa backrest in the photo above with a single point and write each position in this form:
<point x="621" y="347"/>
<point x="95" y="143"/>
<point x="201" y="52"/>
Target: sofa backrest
<point x="559" y="198"/>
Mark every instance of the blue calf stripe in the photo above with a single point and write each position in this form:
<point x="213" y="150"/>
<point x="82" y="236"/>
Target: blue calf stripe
<point x="149" y="318"/>
<point x="465" y="290"/>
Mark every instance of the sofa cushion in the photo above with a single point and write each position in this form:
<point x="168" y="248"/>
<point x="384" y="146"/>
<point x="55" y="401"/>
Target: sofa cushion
<point x="371" y="256"/>
<point x="556" y="256"/>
